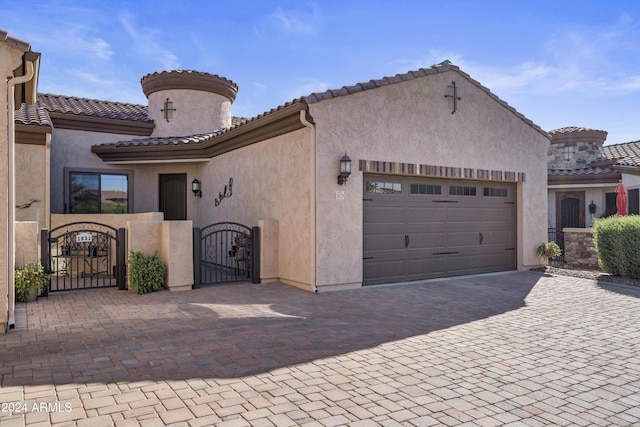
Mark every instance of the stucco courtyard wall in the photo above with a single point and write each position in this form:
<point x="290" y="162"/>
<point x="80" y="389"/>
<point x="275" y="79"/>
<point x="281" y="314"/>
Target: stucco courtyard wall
<point x="32" y="184"/>
<point x="272" y="180"/>
<point x="412" y="122"/>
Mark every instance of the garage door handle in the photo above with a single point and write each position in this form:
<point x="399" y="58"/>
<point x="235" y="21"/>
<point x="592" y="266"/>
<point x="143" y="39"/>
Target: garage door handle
<point x="480" y="237"/>
<point x="407" y="240"/>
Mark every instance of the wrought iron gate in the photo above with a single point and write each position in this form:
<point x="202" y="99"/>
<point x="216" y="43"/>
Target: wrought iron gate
<point x="225" y="252"/>
<point x="84" y="255"/>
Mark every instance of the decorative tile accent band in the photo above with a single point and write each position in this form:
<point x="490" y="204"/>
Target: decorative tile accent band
<point x="398" y="168"/>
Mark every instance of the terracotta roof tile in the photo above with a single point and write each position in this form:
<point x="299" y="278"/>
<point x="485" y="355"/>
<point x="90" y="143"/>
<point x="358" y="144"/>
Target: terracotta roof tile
<point x="580" y="171"/>
<point x="33" y="115"/>
<point x="166" y="140"/>
<point x="93" y="107"/>
<point x="570" y="129"/>
<point x="626" y="154"/>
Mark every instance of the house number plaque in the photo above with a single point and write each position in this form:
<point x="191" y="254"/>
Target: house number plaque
<point x="83" y="237"/>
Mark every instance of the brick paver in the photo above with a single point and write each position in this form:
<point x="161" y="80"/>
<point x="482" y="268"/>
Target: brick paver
<point x="503" y="349"/>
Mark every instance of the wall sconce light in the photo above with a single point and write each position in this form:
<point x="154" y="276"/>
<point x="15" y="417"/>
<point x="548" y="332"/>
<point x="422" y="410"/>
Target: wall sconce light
<point x="592" y="208"/>
<point x="195" y="187"/>
<point x="345" y="169"/>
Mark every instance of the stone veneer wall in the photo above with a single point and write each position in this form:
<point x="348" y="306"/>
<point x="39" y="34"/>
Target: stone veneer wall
<point x="579" y="249"/>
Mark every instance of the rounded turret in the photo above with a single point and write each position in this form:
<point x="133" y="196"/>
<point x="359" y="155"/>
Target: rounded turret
<point x="187" y="102"/>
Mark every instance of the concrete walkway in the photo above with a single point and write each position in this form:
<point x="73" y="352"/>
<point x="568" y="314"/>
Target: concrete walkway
<point x="506" y="349"/>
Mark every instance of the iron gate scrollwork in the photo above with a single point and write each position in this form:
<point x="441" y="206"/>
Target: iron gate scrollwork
<point x="225" y="252"/>
<point x="84" y="255"/>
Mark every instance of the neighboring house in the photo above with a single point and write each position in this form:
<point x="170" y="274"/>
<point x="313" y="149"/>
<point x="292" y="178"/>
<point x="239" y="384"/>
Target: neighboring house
<point x="446" y="179"/>
<point x="583" y="174"/>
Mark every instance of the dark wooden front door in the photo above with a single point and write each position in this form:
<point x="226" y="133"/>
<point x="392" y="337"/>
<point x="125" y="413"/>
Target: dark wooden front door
<point x="173" y="196"/>
<point x="570" y="210"/>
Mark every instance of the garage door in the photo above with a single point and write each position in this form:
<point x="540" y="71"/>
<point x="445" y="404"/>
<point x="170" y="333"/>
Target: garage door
<point x="420" y="228"/>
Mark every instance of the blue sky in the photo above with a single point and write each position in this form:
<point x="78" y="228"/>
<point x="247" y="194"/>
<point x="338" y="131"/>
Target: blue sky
<point x="560" y="63"/>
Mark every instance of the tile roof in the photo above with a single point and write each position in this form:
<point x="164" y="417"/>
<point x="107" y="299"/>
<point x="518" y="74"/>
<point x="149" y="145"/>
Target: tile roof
<point x="100" y="108"/>
<point x="398" y="78"/>
<point x="571" y="129"/>
<point x="33" y="115"/>
<point x="625" y="154"/>
<point x="580" y="171"/>
<point x="165" y="140"/>
<point x="93" y="107"/>
<point x="319" y="97"/>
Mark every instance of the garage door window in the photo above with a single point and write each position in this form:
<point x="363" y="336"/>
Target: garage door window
<point x="495" y="192"/>
<point x="458" y="190"/>
<point x="384" y="187"/>
<point x="425" y="189"/>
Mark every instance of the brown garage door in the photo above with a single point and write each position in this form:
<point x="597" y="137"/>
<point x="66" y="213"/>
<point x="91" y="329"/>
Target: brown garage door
<point x="419" y="228"/>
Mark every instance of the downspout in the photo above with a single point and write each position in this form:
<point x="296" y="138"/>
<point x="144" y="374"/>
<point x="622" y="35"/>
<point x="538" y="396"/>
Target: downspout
<point x="47" y="180"/>
<point x="11" y="196"/>
<point x="314" y="202"/>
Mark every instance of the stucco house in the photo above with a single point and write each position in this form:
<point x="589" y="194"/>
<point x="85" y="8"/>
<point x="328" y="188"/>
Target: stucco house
<point x="583" y="174"/>
<point x="445" y="178"/>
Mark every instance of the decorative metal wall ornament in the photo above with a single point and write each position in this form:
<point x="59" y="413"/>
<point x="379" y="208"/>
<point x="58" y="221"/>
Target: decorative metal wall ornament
<point x="227" y="192"/>
<point x="168" y="108"/>
<point x="455" y="96"/>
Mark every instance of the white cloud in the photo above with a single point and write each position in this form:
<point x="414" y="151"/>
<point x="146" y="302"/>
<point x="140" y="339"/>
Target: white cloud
<point x="73" y="40"/>
<point x="148" y="43"/>
<point x="294" y="22"/>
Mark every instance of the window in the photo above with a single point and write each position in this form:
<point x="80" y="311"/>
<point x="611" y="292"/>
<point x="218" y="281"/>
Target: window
<point x="425" y="189"/>
<point x="495" y="192"/>
<point x="610" y="207"/>
<point x="98" y="192"/>
<point x="384" y="187"/>
<point x="634" y="201"/>
<point x="455" y="190"/>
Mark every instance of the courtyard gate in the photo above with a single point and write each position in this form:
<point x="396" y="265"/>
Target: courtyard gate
<point x="84" y="255"/>
<point x="225" y="252"/>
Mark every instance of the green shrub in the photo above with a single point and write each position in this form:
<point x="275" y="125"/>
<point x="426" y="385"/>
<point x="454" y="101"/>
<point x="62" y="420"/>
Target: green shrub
<point x="146" y="273"/>
<point x="30" y="280"/>
<point x="617" y="241"/>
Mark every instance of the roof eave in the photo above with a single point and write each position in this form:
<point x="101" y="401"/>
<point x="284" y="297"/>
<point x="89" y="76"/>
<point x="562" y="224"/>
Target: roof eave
<point x="279" y="122"/>
<point x="100" y="124"/>
<point x="607" y="178"/>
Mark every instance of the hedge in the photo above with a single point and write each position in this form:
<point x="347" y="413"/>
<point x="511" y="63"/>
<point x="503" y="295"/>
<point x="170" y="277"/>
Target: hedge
<point x="617" y="240"/>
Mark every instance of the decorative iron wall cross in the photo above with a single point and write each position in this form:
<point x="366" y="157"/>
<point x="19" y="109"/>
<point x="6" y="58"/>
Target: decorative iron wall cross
<point x="168" y="108"/>
<point x="455" y="96"/>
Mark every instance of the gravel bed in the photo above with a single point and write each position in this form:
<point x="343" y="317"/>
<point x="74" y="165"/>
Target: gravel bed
<point x="589" y="274"/>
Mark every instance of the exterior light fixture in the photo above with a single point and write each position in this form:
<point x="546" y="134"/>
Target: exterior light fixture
<point x="592" y="208"/>
<point x="345" y="169"/>
<point x="195" y="187"/>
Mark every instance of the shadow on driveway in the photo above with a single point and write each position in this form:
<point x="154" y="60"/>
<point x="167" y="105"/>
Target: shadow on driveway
<point x="236" y="330"/>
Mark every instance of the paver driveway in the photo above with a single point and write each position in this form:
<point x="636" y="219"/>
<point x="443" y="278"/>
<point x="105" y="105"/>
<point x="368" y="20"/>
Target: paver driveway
<point x="505" y="349"/>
